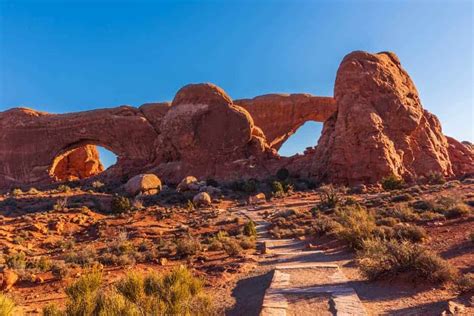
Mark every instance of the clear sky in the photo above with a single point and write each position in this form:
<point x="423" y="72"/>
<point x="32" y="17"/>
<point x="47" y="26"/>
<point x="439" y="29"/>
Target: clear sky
<point x="64" y="56"/>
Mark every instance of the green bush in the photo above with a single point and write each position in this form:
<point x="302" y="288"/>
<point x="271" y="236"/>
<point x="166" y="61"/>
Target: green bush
<point x="120" y="204"/>
<point x="250" y="186"/>
<point x="392" y="182"/>
<point x="357" y="224"/>
<point x="388" y="258"/>
<point x="250" y="229"/>
<point x="282" y="174"/>
<point x="7" y="306"/>
<point x="277" y="189"/>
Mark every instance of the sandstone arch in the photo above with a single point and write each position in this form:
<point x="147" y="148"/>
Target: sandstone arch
<point x="31" y="140"/>
<point x="280" y="115"/>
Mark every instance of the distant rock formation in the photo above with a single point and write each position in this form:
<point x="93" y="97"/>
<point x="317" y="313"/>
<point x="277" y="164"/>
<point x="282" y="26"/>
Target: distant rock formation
<point x="80" y="163"/>
<point x="373" y="127"/>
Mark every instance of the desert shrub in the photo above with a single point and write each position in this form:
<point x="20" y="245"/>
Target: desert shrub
<point x="403" y="212"/>
<point x="430" y="216"/>
<point x="409" y="232"/>
<point x="215" y="245"/>
<point x="383" y="232"/>
<point x="52" y="310"/>
<point x="250" y="229"/>
<point x="120" y="204"/>
<point x="387" y="258"/>
<point x="60" y="270"/>
<point x="458" y="210"/>
<point x="277" y="189"/>
<point x="188" y="246"/>
<point x="60" y="204"/>
<point x="392" y="182"/>
<point x="82" y="257"/>
<point x="16" y="260"/>
<point x="250" y="186"/>
<point x="388" y="221"/>
<point x="131" y="287"/>
<point x="82" y="294"/>
<point x="325" y="225"/>
<point x="112" y="303"/>
<point x="401" y="198"/>
<point x="435" y="177"/>
<point x="182" y="294"/>
<point x="63" y="188"/>
<point x="465" y="284"/>
<point x="329" y="197"/>
<point x="7" y="306"/>
<point x="282" y="174"/>
<point x="423" y="205"/>
<point x="247" y="243"/>
<point x="43" y="264"/>
<point x="232" y="247"/>
<point x="357" y="224"/>
<point x="98" y="185"/>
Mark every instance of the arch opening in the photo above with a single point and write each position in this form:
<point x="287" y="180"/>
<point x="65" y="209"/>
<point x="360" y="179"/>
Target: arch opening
<point x="307" y="135"/>
<point x="81" y="161"/>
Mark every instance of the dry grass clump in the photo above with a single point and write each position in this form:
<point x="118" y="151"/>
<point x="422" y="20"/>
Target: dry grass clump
<point x="387" y="258"/>
<point x="7" y="306"/>
<point x="357" y="224"/>
<point x="83" y="257"/>
<point x="187" y="246"/>
<point x="403" y="212"/>
<point x="175" y="293"/>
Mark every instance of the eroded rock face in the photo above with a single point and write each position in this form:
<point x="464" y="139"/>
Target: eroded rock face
<point x="380" y="127"/>
<point x="80" y="163"/>
<point x="205" y="134"/>
<point x="461" y="156"/>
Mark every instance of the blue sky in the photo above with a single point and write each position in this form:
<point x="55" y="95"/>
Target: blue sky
<point x="65" y="56"/>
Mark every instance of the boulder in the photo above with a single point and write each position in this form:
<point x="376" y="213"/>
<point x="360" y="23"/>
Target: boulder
<point x="202" y="199"/>
<point x="144" y="184"/>
<point x="186" y="183"/>
<point x="257" y="199"/>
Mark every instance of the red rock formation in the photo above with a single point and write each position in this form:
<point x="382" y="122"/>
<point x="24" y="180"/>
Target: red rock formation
<point x="80" y="163"/>
<point x="280" y="115"/>
<point x="461" y="156"/>
<point x="205" y="134"/>
<point x="380" y="127"/>
<point x="30" y="141"/>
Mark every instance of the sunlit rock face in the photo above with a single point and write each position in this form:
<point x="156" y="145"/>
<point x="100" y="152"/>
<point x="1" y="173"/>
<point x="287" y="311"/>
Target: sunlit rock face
<point x="373" y="127"/>
<point x="80" y="163"/>
<point x="380" y="127"/>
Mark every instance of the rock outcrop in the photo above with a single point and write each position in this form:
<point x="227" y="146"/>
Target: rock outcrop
<point x="80" y="163"/>
<point x="380" y="127"/>
<point x="373" y="127"/>
<point x="461" y="156"/>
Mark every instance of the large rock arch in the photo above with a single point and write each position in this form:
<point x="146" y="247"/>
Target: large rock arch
<point x="31" y="140"/>
<point x="280" y="115"/>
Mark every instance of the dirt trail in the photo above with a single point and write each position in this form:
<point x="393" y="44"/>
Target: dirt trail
<point x="304" y="281"/>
